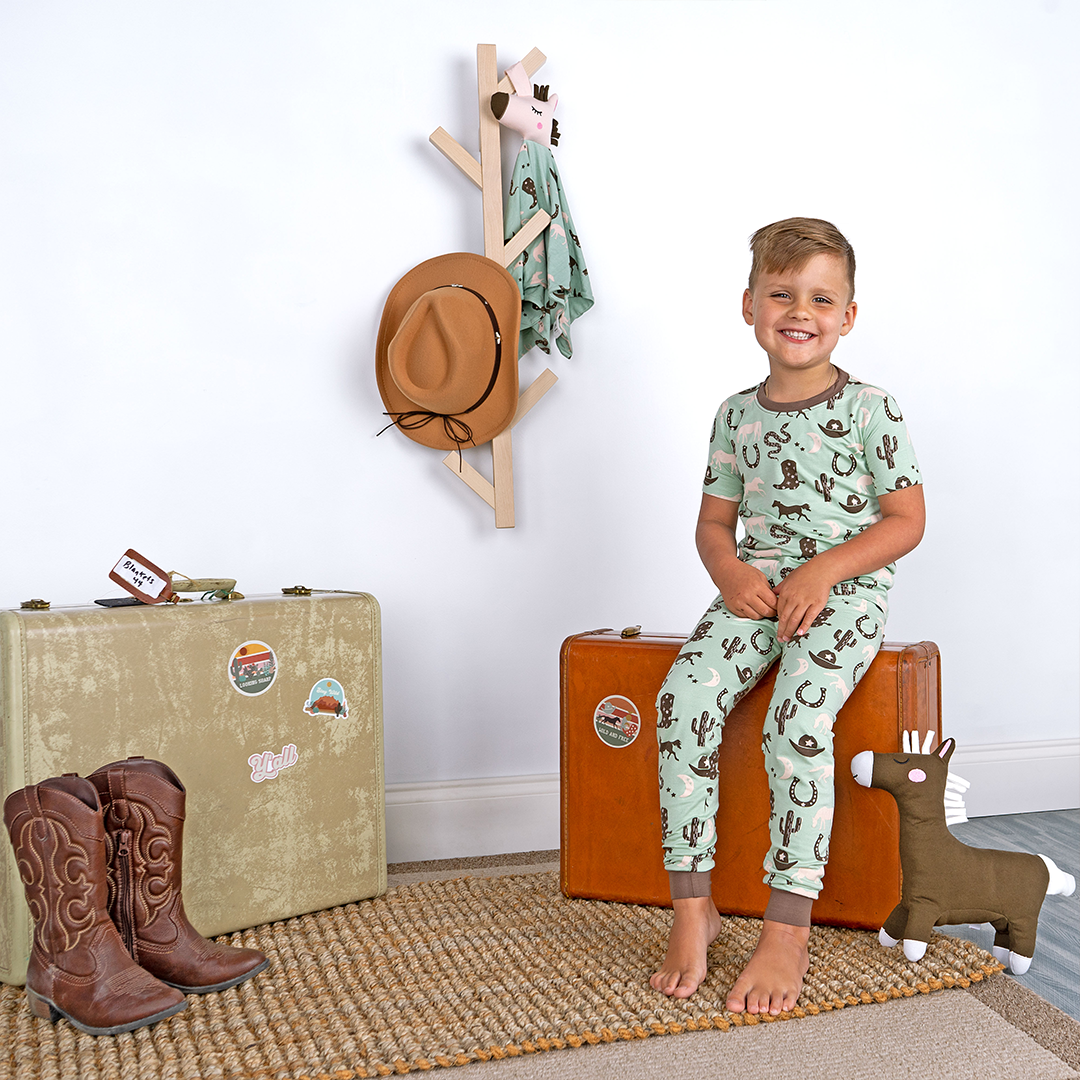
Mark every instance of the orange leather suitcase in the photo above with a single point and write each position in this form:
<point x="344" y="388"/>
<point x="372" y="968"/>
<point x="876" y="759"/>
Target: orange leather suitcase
<point x="610" y="816"/>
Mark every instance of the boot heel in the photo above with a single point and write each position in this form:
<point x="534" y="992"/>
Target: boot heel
<point x="40" y="1007"/>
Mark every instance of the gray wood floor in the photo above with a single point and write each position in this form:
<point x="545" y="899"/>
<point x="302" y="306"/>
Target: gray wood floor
<point x="1055" y="971"/>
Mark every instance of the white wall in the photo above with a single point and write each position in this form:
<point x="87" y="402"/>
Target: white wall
<point x="204" y="205"/>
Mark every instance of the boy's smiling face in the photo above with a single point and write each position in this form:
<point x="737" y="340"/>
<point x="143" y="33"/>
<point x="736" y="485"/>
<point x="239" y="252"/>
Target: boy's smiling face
<point x="798" y="316"/>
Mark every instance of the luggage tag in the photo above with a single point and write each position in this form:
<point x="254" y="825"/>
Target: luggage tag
<point x="149" y="584"/>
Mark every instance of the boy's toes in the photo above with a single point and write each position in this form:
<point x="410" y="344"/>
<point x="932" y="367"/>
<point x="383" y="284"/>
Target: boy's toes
<point x="679" y="984"/>
<point x="686" y="986"/>
<point x="737" y="1000"/>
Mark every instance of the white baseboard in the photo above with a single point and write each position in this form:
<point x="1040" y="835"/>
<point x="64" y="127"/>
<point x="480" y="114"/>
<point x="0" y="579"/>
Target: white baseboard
<point x="456" y="819"/>
<point x="1020" y="778"/>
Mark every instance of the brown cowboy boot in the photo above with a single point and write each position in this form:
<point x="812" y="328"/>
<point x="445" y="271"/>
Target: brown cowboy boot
<point x="144" y="829"/>
<point x="79" y="968"/>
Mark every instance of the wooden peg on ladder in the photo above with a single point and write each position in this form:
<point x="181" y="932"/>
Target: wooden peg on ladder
<point x="487" y="175"/>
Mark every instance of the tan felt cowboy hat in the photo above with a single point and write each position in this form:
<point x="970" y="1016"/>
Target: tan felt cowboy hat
<point x="446" y="356"/>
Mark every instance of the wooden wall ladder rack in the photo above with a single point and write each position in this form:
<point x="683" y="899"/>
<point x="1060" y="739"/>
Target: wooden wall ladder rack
<point x="486" y="174"/>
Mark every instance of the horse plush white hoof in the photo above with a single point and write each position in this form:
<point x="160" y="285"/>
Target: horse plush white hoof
<point x="885" y="940"/>
<point x="914" y="950"/>
<point x="1016" y="963"/>
<point x="1061" y="884"/>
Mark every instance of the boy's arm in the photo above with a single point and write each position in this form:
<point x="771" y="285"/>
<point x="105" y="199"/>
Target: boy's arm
<point x="805" y="591"/>
<point x="746" y="590"/>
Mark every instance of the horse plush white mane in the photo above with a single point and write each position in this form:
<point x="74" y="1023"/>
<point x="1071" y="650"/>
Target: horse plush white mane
<point x="946" y="882"/>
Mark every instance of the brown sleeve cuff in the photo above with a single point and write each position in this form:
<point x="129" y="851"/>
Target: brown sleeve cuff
<point x="685" y="884"/>
<point x="790" y="908"/>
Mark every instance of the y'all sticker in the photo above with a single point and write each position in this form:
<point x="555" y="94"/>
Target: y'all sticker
<point x="617" y="721"/>
<point x="253" y="668"/>
<point x="267" y="765"/>
<point x="327" y="698"/>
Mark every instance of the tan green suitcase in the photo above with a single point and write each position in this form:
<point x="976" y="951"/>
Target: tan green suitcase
<point x="269" y="709"/>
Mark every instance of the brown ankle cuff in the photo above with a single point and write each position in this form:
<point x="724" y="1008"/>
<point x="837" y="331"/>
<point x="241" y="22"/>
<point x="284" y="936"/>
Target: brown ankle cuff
<point x="790" y="908"/>
<point x="685" y="883"/>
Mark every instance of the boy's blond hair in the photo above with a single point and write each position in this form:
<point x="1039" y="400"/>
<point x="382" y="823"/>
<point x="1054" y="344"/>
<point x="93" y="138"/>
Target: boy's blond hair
<point x="791" y="243"/>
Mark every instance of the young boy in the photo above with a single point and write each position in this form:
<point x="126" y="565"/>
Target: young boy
<point x="820" y="468"/>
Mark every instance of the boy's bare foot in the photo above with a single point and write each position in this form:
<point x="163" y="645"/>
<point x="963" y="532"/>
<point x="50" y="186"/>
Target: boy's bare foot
<point x="696" y="927"/>
<point x="772" y="981"/>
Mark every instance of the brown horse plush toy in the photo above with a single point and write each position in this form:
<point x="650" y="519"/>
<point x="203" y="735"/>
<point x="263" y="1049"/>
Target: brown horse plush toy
<point x="946" y="882"/>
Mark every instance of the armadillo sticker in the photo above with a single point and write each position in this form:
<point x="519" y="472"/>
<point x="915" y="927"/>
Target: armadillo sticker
<point x="253" y="668"/>
<point x="327" y="698"/>
<point x="267" y="765"/>
<point x="617" y="721"/>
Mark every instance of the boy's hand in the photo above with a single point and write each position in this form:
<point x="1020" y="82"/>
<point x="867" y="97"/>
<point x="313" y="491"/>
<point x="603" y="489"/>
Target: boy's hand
<point x="746" y="590"/>
<point x="799" y="600"/>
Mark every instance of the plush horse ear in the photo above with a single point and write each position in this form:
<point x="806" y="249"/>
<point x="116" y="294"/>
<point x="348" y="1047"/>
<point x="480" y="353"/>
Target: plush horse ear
<point x="944" y="751"/>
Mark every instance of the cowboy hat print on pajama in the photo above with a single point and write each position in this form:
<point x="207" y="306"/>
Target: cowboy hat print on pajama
<point x="806" y="475"/>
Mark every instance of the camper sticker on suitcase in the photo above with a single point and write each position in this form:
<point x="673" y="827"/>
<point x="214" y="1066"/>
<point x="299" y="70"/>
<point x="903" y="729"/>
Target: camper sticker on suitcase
<point x="617" y="721"/>
<point x="253" y="668"/>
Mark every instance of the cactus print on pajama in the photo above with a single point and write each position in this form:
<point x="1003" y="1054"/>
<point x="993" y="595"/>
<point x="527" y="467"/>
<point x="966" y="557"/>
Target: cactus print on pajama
<point x="806" y="475"/>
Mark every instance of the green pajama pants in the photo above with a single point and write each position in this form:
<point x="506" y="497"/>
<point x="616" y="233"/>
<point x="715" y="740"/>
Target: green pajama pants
<point x="720" y="662"/>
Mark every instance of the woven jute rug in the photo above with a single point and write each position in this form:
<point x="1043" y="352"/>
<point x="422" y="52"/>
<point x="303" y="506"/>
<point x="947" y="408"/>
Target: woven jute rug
<point x="450" y="972"/>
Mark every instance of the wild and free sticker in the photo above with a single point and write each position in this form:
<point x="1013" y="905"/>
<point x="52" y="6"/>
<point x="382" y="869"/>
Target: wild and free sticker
<point x="617" y="721"/>
<point x="253" y="668"/>
<point x="327" y="698"/>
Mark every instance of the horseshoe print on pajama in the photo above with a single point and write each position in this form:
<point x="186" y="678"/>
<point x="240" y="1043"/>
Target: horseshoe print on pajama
<point x="757" y="457"/>
<point x="811" y="704"/>
<point x="754" y="644"/>
<point x="817" y="849"/>
<point x="841" y="472"/>
<point x="858" y="626"/>
<point x="889" y="413"/>
<point x="795" y="798"/>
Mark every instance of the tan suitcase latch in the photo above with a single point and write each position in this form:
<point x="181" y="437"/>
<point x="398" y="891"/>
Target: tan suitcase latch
<point x="35" y="605"/>
<point x="297" y="590"/>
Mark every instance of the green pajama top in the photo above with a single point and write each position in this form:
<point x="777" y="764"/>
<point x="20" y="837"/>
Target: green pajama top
<point x="807" y="474"/>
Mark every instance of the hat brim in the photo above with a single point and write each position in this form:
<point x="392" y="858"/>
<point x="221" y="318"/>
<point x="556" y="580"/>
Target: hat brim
<point x="500" y="290"/>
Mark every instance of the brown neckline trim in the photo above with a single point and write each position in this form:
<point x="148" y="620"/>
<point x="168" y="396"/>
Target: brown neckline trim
<point x="842" y="379"/>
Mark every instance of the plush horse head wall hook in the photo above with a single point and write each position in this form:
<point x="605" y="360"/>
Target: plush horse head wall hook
<point x="946" y="882"/>
<point x="528" y="111"/>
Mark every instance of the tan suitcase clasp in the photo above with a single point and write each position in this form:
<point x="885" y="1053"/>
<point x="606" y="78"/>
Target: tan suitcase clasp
<point x="35" y="605"/>
<point x="297" y="590"/>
